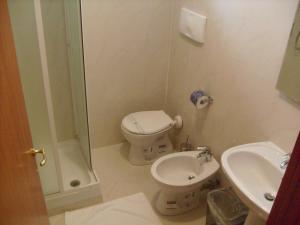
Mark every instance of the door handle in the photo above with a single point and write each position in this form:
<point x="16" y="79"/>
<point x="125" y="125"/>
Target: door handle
<point x="34" y="151"/>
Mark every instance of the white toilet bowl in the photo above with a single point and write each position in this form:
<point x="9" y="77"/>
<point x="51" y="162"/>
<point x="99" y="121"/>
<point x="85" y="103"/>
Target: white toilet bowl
<point x="182" y="178"/>
<point x="147" y="133"/>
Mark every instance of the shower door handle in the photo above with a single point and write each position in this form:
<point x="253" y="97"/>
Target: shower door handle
<point x="34" y="151"/>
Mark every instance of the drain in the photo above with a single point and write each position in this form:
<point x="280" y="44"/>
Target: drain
<point x="191" y="177"/>
<point x="75" y="183"/>
<point x="270" y="197"/>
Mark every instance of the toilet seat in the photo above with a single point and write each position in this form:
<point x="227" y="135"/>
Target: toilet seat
<point x="147" y="122"/>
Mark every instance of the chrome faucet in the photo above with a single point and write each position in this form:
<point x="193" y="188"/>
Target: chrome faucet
<point x="285" y="161"/>
<point x="204" y="151"/>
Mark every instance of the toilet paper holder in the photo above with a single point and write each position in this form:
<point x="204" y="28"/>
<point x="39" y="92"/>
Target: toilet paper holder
<point x="200" y="99"/>
<point x="210" y="100"/>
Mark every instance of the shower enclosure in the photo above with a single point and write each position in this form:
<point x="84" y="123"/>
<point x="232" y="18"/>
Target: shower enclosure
<point x="48" y="40"/>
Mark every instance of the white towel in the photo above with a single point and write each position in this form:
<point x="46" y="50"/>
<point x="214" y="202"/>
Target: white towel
<point x="131" y="210"/>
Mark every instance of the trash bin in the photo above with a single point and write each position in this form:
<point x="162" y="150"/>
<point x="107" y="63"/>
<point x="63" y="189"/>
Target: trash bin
<point x="225" y="208"/>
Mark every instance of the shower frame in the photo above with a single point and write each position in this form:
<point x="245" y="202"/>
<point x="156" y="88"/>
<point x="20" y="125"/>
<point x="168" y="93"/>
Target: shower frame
<point x="79" y="196"/>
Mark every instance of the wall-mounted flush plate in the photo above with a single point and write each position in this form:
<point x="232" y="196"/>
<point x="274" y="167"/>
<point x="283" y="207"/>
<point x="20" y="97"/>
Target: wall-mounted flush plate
<point x="192" y="25"/>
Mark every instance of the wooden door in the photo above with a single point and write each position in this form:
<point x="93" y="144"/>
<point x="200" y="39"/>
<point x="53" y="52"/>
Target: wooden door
<point x="286" y="208"/>
<point x="21" y="197"/>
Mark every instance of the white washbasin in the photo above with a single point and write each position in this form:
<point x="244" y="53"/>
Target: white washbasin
<point x="254" y="170"/>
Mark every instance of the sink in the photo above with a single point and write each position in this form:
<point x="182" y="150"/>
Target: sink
<point x="255" y="175"/>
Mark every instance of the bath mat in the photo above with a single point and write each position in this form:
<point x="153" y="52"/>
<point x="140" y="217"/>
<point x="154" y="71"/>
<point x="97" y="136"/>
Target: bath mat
<point x="131" y="210"/>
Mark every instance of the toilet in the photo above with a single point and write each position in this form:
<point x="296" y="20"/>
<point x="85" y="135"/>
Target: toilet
<point x="147" y="134"/>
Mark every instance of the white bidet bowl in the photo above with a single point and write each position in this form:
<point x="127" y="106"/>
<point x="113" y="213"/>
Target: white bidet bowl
<point x="181" y="177"/>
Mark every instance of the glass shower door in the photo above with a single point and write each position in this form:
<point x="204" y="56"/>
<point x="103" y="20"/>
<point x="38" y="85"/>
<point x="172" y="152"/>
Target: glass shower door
<point x="47" y="35"/>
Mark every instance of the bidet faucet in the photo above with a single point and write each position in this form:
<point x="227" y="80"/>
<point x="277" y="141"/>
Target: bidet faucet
<point x="285" y="161"/>
<point x="204" y="151"/>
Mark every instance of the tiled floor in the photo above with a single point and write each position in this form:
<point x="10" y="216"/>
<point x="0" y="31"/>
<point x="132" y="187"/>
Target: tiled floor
<point x="119" y="178"/>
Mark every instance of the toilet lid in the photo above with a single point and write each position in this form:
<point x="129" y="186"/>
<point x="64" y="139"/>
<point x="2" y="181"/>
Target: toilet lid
<point x="147" y="122"/>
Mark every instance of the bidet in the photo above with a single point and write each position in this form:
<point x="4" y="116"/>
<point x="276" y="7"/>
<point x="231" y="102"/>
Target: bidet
<point x="182" y="178"/>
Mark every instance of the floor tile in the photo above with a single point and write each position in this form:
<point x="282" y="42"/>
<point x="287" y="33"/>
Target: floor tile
<point x="119" y="179"/>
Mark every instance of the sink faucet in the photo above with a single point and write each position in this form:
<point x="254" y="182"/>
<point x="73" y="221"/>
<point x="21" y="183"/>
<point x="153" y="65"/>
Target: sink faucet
<point x="285" y="161"/>
<point x="204" y="151"/>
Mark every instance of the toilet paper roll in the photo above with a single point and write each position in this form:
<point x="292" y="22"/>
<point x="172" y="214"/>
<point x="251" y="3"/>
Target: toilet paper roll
<point x="200" y="99"/>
